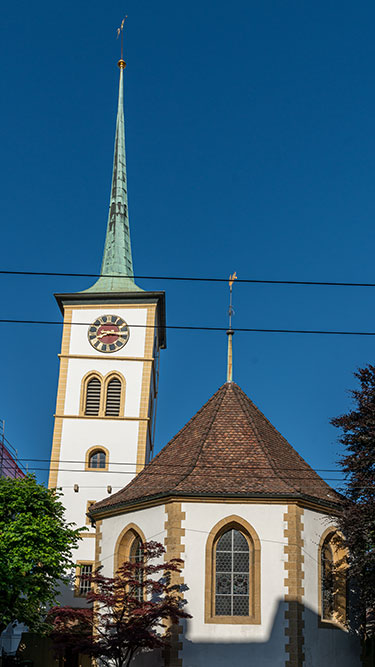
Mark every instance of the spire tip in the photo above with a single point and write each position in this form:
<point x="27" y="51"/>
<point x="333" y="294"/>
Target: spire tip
<point x="230" y="332"/>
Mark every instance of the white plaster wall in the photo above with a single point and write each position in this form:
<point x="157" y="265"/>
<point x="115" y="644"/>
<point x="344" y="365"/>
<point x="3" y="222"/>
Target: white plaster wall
<point x="150" y="521"/>
<point x="219" y="645"/>
<point x="79" y="435"/>
<point x="79" y="343"/>
<point x="323" y="646"/>
<point x="118" y="436"/>
<point x="263" y="645"/>
<point x="78" y="368"/>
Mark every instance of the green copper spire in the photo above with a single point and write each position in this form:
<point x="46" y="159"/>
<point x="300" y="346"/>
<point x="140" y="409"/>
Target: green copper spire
<point x="117" y="257"/>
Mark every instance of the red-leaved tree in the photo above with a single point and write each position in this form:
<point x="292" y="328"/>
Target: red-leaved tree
<point x="131" y="611"/>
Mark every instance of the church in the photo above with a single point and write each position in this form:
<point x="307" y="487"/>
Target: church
<point x="252" y="522"/>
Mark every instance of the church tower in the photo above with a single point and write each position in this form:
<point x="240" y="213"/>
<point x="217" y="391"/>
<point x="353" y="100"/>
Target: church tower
<point x="109" y="368"/>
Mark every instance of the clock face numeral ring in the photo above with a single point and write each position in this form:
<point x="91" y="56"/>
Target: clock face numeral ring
<point x="108" y="333"/>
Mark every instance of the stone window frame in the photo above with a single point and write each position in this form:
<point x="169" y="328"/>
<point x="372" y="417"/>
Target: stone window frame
<point x="104" y="381"/>
<point x="336" y="540"/>
<point x="93" y="450"/>
<point x="77" y="593"/>
<point x="237" y="523"/>
<point x="124" y="544"/>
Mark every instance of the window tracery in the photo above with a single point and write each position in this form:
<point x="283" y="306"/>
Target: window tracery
<point x="332" y="578"/>
<point x="232" y="573"/>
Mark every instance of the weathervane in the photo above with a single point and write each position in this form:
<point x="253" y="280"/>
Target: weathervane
<point x="120" y="33"/>
<point x="230" y="332"/>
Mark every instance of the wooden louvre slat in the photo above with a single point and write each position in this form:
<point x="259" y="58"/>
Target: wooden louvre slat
<point x="113" y="399"/>
<point x="93" y="397"/>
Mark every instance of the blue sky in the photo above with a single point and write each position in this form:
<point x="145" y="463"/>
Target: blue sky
<point x="250" y="148"/>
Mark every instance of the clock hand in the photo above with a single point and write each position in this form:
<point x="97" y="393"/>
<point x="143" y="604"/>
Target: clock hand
<point x="109" y="332"/>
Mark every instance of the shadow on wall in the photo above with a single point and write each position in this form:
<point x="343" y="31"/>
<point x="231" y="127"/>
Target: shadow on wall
<point x="321" y="647"/>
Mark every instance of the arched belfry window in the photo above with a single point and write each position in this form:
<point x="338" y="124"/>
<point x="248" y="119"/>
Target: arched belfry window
<point x="232" y="573"/>
<point x="113" y="397"/>
<point x="103" y="396"/>
<point x="93" y="394"/>
<point x="97" y="458"/>
<point x="332" y="579"/>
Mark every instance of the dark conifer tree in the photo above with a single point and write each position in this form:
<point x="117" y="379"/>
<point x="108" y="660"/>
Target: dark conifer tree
<point x="357" y="520"/>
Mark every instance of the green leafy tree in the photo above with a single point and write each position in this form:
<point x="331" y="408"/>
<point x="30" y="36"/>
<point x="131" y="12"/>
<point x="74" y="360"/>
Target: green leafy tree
<point x="35" y="550"/>
<point x="357" y="520"/>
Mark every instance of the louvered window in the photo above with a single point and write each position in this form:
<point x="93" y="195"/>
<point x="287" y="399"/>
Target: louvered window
<point x="93" y="390"/>
<point x="113" y="399"/>
<point x="97" y="459"/>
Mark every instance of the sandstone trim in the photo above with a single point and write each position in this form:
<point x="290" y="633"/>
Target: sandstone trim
<point x="174" y="549"/>
<point x="98" y="544"/>
<point x="294" y="583"/>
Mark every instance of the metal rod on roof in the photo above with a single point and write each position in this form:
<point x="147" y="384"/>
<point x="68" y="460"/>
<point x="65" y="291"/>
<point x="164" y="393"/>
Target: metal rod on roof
<point x="230" y="332"/>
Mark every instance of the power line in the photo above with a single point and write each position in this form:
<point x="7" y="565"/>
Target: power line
<point x="196" y="328"/>
<point x="251" y="281"/>
<point x="175" y="465"/>
<point x="164" y="474"/>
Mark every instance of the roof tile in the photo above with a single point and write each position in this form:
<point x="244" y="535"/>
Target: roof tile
<point x="228" y="448"/>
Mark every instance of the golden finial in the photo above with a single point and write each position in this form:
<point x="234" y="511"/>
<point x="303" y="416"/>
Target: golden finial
<point x="230" y="332"/>
<point x="120" y="33"/>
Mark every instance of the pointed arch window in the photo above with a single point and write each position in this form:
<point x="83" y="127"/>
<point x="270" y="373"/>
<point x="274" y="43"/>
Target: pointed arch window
<point x="113" y="397"/>
<point x="328" y="582"/>
<point x="129" y="545"/>
<point x="332" y="578"/>
<point x="232" y="573"/>
<point x="93" y="394"/>
<point x="136" y="556"/>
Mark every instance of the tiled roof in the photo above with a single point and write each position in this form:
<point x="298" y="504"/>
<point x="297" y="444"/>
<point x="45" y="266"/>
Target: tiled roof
<point x="227" y="449"/>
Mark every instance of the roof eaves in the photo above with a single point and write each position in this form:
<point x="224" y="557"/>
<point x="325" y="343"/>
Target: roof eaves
<point x="109" y="509"/>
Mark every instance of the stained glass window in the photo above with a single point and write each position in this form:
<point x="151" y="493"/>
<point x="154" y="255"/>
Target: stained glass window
<point x="328" y="581"/>
<point x="136" y="556"/>
<point x="232" y="575"/>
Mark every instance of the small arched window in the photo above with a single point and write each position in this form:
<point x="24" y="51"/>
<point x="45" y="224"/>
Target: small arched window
<point x="232" y="573"/>
<point x="97" y="459"/>
<point x="92" y="400"/>
<point x="332" y="579"/>
<point x="113" y="397"/>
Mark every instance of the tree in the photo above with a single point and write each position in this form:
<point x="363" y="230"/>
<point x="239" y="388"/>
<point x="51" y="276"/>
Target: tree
<point x="131" y="611"/>
<point x="35" y="550"/>
<point x="357" y="520"/>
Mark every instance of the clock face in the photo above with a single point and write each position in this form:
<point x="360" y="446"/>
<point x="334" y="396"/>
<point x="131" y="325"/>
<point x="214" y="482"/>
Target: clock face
<point x="108" y="333"/>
